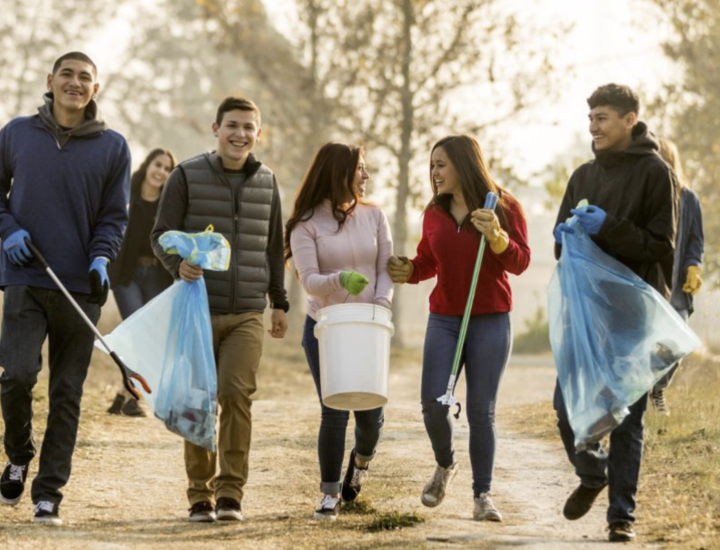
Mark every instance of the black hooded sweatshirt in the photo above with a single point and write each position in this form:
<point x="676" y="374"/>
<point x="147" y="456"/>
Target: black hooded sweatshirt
<point x="640" y="196"/>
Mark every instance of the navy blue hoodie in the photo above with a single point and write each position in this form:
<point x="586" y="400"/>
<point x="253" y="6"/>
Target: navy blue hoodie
<point x="68" y="189"/>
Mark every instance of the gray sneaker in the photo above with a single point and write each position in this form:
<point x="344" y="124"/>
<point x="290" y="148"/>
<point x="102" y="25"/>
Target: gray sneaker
<point x="434" y="492"/>
<point x="485" y="509"/>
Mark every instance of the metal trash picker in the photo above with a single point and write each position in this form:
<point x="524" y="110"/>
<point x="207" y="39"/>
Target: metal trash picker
<point x="491" y="200"/>
<point x="127" y="373"/>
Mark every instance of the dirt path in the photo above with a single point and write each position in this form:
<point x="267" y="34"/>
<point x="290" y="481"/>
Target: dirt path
<point x="127" y="488"/>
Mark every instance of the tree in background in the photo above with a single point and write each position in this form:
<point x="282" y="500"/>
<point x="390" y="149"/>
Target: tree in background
<point x="389" y="73"/>
<point x="33" y="33"/>
<point x="689" y="111"/>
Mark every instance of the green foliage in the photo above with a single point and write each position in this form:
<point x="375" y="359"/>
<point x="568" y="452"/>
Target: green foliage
<point x="393" y="521"/>
<point x="690" y="110"/>
<point x="536" y="338"/>
<point x="360" y="507"/>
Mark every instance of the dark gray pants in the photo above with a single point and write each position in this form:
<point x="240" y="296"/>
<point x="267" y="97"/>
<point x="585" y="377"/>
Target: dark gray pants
<point x="619" y="467"/>
<point x="29" y="315"/>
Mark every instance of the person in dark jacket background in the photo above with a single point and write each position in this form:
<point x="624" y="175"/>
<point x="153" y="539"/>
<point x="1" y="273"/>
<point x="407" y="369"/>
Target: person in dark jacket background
<point x="137" y="276"/>
<point x="687" y="265"/>
<point x="64" y="179"/>
<point x="235" y="192"/>
<point x="631" y="215"/>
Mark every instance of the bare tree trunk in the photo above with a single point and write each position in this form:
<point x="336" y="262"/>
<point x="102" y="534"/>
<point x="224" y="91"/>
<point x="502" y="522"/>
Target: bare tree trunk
<point x="404" y="159"/>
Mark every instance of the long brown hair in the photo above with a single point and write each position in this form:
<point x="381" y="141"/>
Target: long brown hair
<point x="138" y="176"/>
<point x="475" y="181"/>
<point x="330" y="176"/>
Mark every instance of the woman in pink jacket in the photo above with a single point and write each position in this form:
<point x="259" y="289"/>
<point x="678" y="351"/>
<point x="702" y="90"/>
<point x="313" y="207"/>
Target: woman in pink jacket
<point x="340" y="245"/>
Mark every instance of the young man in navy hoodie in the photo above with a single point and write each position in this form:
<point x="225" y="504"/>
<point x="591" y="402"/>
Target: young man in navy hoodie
<point x="64" y="184"/>
<point x="632" y="217"/>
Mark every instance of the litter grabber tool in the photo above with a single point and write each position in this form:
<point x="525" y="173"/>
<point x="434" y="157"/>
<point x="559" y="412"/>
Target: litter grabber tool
<point x="127" y="373"/>
<point x="491" y="200"/>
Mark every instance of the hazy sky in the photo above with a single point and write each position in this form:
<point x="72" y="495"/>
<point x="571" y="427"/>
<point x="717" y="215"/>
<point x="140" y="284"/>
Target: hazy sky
<point x="605" y="45"/>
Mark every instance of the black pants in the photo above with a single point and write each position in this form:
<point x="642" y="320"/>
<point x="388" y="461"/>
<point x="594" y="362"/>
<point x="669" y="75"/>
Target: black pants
<point x="29" y="315"/>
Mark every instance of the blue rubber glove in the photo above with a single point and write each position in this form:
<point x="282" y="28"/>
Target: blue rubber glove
<point x="560" y="229"/>
<point x="16" y="249"/>
<point x="591" y="218"/>
<point x="353" y="282"/>
<point x="99" y="282"/>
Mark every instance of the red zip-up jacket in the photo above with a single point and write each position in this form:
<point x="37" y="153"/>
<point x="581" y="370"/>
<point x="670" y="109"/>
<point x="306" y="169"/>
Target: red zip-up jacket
<point x="449" y="252"/>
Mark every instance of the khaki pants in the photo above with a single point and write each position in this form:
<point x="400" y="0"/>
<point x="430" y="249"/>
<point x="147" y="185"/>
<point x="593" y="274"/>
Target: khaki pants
<point x="237" y="342"/>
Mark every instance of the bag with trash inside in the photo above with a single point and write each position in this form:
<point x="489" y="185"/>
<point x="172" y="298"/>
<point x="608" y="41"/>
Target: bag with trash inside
<point x="169" y="341"/>
<point x="613" y="336"/>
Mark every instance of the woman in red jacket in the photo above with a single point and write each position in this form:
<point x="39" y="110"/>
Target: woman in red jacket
<point x="453" y="222"/>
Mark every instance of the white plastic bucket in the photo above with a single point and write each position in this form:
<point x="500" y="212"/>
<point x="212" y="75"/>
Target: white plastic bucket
<point x="354" y="343"/>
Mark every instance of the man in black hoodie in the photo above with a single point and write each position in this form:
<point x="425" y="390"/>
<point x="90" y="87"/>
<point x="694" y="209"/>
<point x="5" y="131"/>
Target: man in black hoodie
<point x="631" y="216"/>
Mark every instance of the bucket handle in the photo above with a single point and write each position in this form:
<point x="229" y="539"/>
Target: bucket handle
<point x="374" y="304"/>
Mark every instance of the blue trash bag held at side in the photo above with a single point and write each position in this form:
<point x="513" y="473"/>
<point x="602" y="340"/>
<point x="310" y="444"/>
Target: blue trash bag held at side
<point x="613" y="336"/>
<point x="169" y="342"/>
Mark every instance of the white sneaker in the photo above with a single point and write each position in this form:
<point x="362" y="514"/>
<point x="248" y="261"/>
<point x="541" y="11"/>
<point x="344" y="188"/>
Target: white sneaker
<point x="328" y="508"/>
<point x="485" y="510"/>
<point x="434" y="492"/>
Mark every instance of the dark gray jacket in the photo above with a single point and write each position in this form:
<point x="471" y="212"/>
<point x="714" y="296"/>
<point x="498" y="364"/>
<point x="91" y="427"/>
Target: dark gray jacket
<point x="198" y="194"/>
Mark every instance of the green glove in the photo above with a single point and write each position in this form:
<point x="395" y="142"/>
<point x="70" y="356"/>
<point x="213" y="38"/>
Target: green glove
<point x="353" y="282"/>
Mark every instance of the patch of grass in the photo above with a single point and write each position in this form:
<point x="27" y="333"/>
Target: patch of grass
<point x="393" y="521"/>
<point x="360" y="507"/>
<point x="679" y="492"/>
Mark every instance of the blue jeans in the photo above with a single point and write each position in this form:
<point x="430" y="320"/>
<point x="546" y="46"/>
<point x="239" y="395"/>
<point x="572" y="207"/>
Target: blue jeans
<point x="29" y="315"/>
<point x="333" y="424"/>
<point x="146" y="283"/>
<point x="619" y="467"/>
<point x="486" y="351"/>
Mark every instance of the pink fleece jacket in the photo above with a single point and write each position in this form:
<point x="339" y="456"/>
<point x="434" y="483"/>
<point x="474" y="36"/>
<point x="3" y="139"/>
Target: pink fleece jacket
<point x="321" y="252"/>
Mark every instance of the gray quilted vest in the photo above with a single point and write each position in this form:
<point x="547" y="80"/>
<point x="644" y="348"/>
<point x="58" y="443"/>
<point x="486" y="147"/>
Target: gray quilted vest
<point x="245" y="223"/>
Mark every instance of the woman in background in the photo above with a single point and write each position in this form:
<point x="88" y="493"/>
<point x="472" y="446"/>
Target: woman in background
<point x="687" y="264"/>
<point x="136" y="276"/>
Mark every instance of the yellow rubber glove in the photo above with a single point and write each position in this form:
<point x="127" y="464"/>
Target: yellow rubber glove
<point x="693" y="280"/>
<point x="400" y="269"/>
<point x="487" y="223"/>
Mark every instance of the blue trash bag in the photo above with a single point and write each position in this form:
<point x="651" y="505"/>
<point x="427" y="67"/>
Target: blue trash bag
<point x="613" y="336"/>
<point x="169" y="342"/>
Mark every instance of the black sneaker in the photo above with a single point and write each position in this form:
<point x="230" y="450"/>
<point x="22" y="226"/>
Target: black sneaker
<point x="353" y="481"/>
<point x="132" y="408"/>
<point x="203" y="512"/>
<point x="328" y="508"/>
<point x="117" y="404"/>
<point x="228" y="509"/>
<point x="46" y="512"/>
<point x="12" y="483"/>
<point x="580" y="501"/>
<point x="621" y="531"/>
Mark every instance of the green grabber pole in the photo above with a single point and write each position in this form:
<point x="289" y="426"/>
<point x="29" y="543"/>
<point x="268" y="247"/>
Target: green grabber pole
<point x="448" y="399"/>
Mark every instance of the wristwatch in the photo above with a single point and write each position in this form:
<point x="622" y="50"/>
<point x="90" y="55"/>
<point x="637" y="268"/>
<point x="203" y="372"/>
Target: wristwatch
<point x="285" y="306"/>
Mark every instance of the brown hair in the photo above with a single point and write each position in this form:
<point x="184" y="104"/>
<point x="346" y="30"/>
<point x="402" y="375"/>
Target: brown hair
<point x="138" y="176"/>
<point x="466" y="156"/>
<point x="236" y="103"/>
<point x="669" y="153"/>
<point x="330" y="176"/>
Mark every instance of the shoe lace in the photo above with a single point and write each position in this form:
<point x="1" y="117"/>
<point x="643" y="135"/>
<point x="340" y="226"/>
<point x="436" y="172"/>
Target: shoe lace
<point x="485" y="501"/>
<point x="16" y="472"/>
<point x="357" y="477"/>
<point x="659" y="399"/>
<point x="328" y="502"/>
<point x="44" y="506"/>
